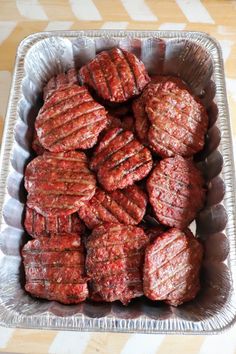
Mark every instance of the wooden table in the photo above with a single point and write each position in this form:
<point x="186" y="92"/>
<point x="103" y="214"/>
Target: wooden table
<point x="18" y="19"/>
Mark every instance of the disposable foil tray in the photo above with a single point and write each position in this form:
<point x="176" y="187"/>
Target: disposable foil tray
<point x="194" y="57"/>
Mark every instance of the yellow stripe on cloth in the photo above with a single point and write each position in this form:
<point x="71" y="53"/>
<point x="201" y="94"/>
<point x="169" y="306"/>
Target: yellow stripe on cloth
<point x="119" y="13"/>
<point x="9" y="46"/>
<point x="222" y="11"/>
<point x="162" y="10"/>
<point x="30" y="341"/>
<point x="105" y="343"/>
<point x="59" y="12"/>
<point x="181" y="344"/>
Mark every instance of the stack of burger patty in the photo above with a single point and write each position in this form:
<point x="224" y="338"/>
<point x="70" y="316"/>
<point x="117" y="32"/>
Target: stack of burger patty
<point x="114" y="147"/>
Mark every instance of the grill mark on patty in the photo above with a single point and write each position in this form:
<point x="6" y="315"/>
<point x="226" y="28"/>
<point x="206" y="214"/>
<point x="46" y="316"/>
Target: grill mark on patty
<point x="170" y="241"/>
<point x="136" y="167"/>
<point x="173" y="147"/>
<point x="67" y="99"/>
<point x="168" y="151"/>
<point x="126" y="142"/>
<point x="169" y="94"/>
<point x="81" y="160"/>
<point x="65" y="189"/>
<point x="91" y="244"/>
<point x="97" y="58"/>
<point x="164" y="200"/>
<point x="168" y="278"/>
<point x="129" y="195"/>
<point x="116" y="215"/>
<point x="115" y="240"/>
<point x="90" y="72"/>
<point x="35" y="251"/>
<point x="77" y="129"/>
<point x="96" y="273"/>
<point x="125" y="56"/>
<point x="167" y="261"/>
<point x="132" y="255"/>
<point x="66" y="193"/>
<point x="129" y="200"/>
<point x="61" y="89"/>
<point x="177" y="194"/>
<point x="109" y="53"/>
<point x="160" y="175"/>
<point x="41" y="266"/>
<point x="180" y="212"/>
<point x="181" y="245"/>
<point x="74" y="116"/>
<point x="192" y="280"/>
<point x="189" y="134"/>
<point x="127" y="156"/>
<point x="104" y="144"/>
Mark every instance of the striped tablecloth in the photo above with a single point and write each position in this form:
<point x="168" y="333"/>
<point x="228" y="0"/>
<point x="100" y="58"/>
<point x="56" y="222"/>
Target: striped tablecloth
<point x="18" y="19"/>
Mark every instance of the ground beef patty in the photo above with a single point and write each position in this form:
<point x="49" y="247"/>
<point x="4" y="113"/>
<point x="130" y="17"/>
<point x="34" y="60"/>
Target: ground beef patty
<point x="54" y="268"/>
<point x="116" y="75"/>
<point x="63" y="79"/>
<point x="171" y="268"/>
<point x="169" y="119"/>
<point x="57" y="184"/>
<point x="176" y="191"/>
<point x="70" y="119"/>
<point x="126" y="206"/>
<point x="114" y="262"/>
<point x="120" y="160"/>
<point x="38" y="225"/>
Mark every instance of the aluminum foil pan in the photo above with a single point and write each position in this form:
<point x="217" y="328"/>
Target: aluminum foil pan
<point x="196" y="58"/>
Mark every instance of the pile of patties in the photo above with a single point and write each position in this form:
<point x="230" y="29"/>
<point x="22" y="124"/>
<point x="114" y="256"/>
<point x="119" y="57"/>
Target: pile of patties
<point x="115" y="150"/>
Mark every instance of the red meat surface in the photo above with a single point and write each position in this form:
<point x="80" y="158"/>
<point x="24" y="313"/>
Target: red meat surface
<point x="176" y="191"/>
<point x="61" y="80"/>
<point x="38" y="225"/>
<point x="70" y="119"/>
<point x="171" y="268"/>
<point x="116" y="75"/>
<point x="169" y="119"/>
<point x="120" y="160"/>
<point x="51" y="273"/>
<point x="126" y="206"/>
<point x="114" y="262"/>
<point x="58" y="184"/>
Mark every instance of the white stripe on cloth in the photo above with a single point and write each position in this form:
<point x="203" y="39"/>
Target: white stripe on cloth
<point x="143" y="344"/>
<point x="231" y="88"/>
<point x="115" y="25"/>
<point x="58" y="25"/>
<point x="138" y="10"/>
<point x="5" y="336"/>
<point x="85" y="10"/>
<point x="172" y="26"/>
<point x="69" y="343"/>
<point x="222" y="343"/>
<point x="6" y="28"/>
<point x="195" y="11"/>
<point x="31" y="9"/>
<point x="226" y="47"/>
